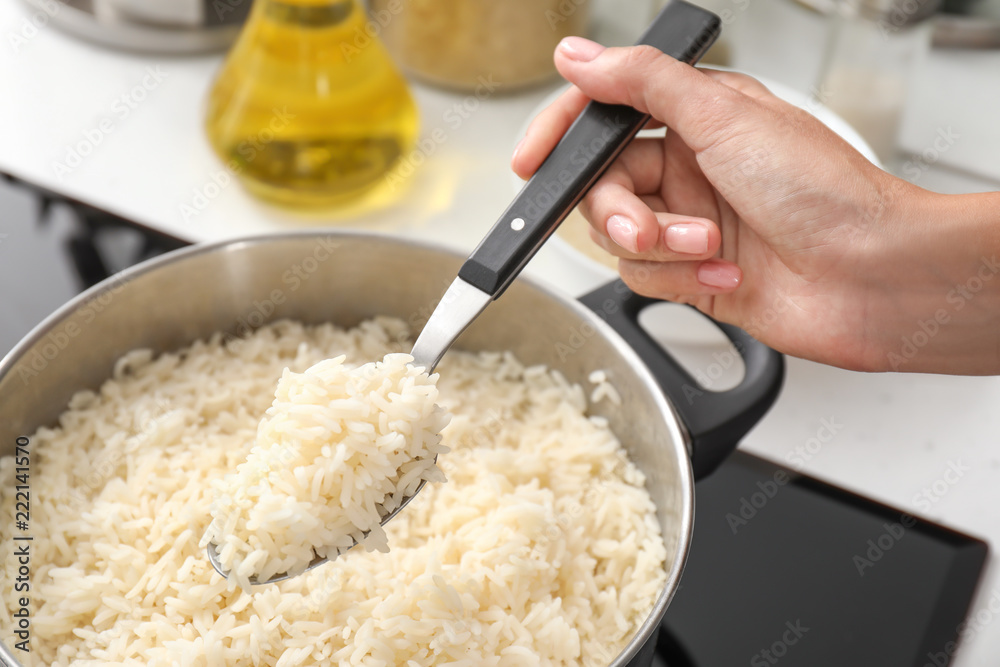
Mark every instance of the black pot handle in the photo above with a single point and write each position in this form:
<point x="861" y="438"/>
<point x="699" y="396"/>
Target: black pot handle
<point x="716" y="421"/>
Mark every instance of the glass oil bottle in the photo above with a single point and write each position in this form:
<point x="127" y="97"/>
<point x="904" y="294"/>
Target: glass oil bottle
<point x="308" y="109"/>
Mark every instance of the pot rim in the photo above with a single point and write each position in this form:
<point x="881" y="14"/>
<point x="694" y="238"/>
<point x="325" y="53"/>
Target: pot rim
<point x="677" y="432"/>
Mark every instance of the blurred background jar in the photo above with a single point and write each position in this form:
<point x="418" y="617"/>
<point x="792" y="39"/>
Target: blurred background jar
<point x="459" y="44"/>
<point x="309" y="109"/>
<point x="873" y="48"/>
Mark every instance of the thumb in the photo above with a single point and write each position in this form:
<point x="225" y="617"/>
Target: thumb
<point x="700" y="109"/>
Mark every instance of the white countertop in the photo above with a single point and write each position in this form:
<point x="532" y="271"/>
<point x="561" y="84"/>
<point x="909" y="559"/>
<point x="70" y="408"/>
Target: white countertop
<point x="900" y="433"/>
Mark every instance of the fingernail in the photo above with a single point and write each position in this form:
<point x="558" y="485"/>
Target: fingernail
<point x="687" y="238"/>
<point x="517" y="148"/>
<point x="623" y="232"/>
<point x="579" y="48"/>
<point x="719" y="274"/>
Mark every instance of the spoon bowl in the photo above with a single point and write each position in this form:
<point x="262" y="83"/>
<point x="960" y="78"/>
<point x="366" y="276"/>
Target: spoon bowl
<point x="213" y="553"/>
<point x="434" y="340"/>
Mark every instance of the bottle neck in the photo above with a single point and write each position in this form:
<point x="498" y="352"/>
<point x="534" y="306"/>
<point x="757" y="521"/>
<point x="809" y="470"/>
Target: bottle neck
<point x="310" y="13"/>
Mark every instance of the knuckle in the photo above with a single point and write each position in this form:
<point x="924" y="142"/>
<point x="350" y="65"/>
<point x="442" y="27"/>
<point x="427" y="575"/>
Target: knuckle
<point x="738" y="80"/>
<point x="602" y="196"/>
<point x="637" y="72"/>
<point x="642" y="56"/>
<point x="639" y="278"/>
<point x="795" y="119"/>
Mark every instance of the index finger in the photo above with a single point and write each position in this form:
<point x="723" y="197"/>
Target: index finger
<point x="548" y="127"/>
<point x="546" y="130"/>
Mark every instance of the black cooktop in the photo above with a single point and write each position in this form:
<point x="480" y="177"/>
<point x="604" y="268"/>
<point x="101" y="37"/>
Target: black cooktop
<point x="797" y="573"/>
<point x="804" y="573"/>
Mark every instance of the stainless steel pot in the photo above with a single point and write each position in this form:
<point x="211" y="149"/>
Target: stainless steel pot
<point x="147" y="26"/>
<point x="340" y="277"/>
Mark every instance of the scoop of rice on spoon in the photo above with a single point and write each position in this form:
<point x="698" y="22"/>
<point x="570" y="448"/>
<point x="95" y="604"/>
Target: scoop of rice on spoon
<point x="339" y="452"/>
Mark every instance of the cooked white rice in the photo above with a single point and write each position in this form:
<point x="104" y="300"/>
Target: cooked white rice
<point x="338" y="449"/>
<point x="541" y="549"/>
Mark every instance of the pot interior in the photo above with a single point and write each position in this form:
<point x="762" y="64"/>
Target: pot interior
<point x="343" y="278"/>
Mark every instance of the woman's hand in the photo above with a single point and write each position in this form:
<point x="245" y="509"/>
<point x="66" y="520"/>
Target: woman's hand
<point x="754" y="212"/>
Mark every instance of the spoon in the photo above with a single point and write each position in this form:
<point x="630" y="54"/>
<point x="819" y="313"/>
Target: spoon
<point x="589" y="146"/>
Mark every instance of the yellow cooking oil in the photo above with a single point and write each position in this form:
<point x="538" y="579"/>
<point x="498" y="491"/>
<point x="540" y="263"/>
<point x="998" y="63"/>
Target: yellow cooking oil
<point x="308" y="109"/>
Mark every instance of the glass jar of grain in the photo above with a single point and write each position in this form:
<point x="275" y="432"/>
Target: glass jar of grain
<point x="470" y="44"/>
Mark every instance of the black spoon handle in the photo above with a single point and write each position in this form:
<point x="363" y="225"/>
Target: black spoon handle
<point x="591" y="144"/>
